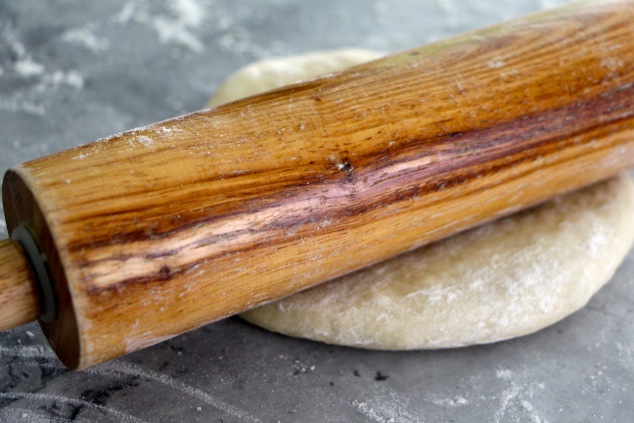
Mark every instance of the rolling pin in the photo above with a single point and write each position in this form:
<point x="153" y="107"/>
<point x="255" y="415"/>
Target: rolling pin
<point x="133" y="239"/>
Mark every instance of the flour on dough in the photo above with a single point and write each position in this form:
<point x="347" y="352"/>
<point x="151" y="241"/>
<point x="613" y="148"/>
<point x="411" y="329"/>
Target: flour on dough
<point x="501" y="280"/>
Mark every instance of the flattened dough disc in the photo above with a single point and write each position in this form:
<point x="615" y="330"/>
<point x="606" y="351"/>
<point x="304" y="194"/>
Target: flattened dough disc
<point x="498" y="281"/>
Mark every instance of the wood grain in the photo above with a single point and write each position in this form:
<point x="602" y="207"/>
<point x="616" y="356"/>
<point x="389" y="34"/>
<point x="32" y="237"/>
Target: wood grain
<point x="18" y="292"/>
<point x="165" y="228"/>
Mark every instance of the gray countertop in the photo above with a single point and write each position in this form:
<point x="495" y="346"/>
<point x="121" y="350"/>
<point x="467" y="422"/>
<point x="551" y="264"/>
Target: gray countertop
<point x="73" y="71"/>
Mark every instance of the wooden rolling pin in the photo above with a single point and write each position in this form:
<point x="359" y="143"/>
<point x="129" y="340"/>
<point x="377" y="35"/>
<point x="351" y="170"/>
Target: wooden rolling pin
<point x="136" y="238"/>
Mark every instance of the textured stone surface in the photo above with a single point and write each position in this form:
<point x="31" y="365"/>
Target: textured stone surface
<point x="71" y="72"/>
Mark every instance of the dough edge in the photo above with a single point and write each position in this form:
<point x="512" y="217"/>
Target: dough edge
<point x="468" y="289"/>
<point x="481" y="286"/>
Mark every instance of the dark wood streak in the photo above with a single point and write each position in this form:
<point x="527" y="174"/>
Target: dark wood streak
<point x="165" y="276"/>
<point x="525" y="135"/>
<point x="518" y="141"/>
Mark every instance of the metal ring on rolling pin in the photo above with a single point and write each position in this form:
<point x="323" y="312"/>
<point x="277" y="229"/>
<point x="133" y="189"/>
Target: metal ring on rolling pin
<point x="38" y="261"/>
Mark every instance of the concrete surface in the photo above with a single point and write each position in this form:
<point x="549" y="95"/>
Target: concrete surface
<point x="73" y="71"/>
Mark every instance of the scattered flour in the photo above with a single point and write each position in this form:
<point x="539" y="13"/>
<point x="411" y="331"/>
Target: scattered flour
<point x="455" y="402"/>
<point x="169" y="130"/>
<point x="174" y="27"/>
<point x="57" y="79"/>
<point x="495" y="64"/>
<point x="31" y="99"/>
<point x="170" y="30"/>
<point x="27" y="68"/>
<point x="144" y="140"/>
<point x="516" y="399"/>
<point x="121" y="367"/>
<point x="37" y="397"/>
<point x="389" y="407"/>
<point x="189" y="12"/>
<point x="85" y="37"/>
<point x="126" y="14"/>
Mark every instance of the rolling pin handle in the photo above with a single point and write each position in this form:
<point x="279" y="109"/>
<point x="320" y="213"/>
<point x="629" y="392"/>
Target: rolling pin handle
<point x="26" y="293"/>
<point x="39" y="267"/>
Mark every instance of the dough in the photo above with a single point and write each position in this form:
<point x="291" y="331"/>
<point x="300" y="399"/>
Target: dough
<point x="501" y="280"/>
<point x="274" y="73"/>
